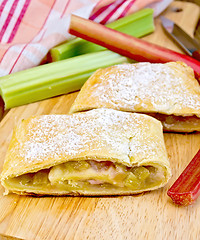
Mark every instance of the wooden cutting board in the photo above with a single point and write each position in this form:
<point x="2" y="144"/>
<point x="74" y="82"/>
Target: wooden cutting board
<point x="146" y="216"/>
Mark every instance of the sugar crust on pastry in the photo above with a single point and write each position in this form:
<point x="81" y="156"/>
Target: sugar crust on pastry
<point x="98" y="152"/>
<point x="167" y="91"/>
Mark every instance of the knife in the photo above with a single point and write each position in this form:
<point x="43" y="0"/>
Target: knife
<point x="189" y="45"/>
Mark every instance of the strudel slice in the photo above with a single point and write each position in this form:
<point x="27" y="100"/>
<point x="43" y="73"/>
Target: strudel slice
<point x="98" y="152"/>
<point x="168" y="92"/>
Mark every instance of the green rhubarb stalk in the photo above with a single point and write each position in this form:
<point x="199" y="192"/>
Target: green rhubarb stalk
<point x="137" y="24"/>
<point x="53" y="79"/>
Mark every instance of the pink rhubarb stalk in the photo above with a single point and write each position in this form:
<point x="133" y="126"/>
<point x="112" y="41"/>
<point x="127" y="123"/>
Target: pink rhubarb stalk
<point x="127" y="45"/>
<point x="186" y="188"/>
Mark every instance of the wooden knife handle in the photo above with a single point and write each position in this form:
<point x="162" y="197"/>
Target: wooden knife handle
<point x="196" y="55"/>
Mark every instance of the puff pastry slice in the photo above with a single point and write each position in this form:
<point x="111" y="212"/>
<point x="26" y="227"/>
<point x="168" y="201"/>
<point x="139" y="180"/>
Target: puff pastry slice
<point x="168" y="92"/>
<point x="98" y="152"/>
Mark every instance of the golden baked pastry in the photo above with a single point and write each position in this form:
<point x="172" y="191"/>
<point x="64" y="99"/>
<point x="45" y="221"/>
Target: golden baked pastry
<point x="98" y="152"/>
<point x="168" y="92"/>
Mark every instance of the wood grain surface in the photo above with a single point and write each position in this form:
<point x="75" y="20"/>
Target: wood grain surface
<point x="145" y="216"/>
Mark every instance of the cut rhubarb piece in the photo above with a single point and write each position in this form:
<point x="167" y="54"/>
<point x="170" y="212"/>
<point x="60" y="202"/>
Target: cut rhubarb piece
<point x="126" y="45"/>
<point x="186" y="188"/>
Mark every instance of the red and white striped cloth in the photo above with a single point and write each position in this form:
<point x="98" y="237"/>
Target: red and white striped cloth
<point x="29" y="28"/>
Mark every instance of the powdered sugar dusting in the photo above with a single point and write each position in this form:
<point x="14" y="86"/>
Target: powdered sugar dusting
<point x="92" y="133"/>
<point x="147" y="87"/>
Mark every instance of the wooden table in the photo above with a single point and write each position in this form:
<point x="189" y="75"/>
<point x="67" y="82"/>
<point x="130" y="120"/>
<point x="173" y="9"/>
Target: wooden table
<point x="146" y="216"/>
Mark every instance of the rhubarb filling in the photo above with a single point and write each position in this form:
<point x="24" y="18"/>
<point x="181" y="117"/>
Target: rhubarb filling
<point x="91" y="176"/>
<point x="178" y="123"/>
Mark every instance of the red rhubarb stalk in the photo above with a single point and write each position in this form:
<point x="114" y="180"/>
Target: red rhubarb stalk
<point x="126" y="45"/>
<point x="186" y="188"/>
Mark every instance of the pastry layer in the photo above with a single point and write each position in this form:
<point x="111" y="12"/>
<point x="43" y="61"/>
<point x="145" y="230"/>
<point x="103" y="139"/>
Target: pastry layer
<point x="166" y="90"/>
<point x="98" y="152"/>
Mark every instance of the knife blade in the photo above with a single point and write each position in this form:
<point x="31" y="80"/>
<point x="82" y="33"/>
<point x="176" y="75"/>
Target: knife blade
<point x="188" y="44"/>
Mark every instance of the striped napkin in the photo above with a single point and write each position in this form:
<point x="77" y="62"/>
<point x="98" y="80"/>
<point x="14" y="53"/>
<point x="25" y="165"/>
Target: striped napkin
<point x="29" y="28"/>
